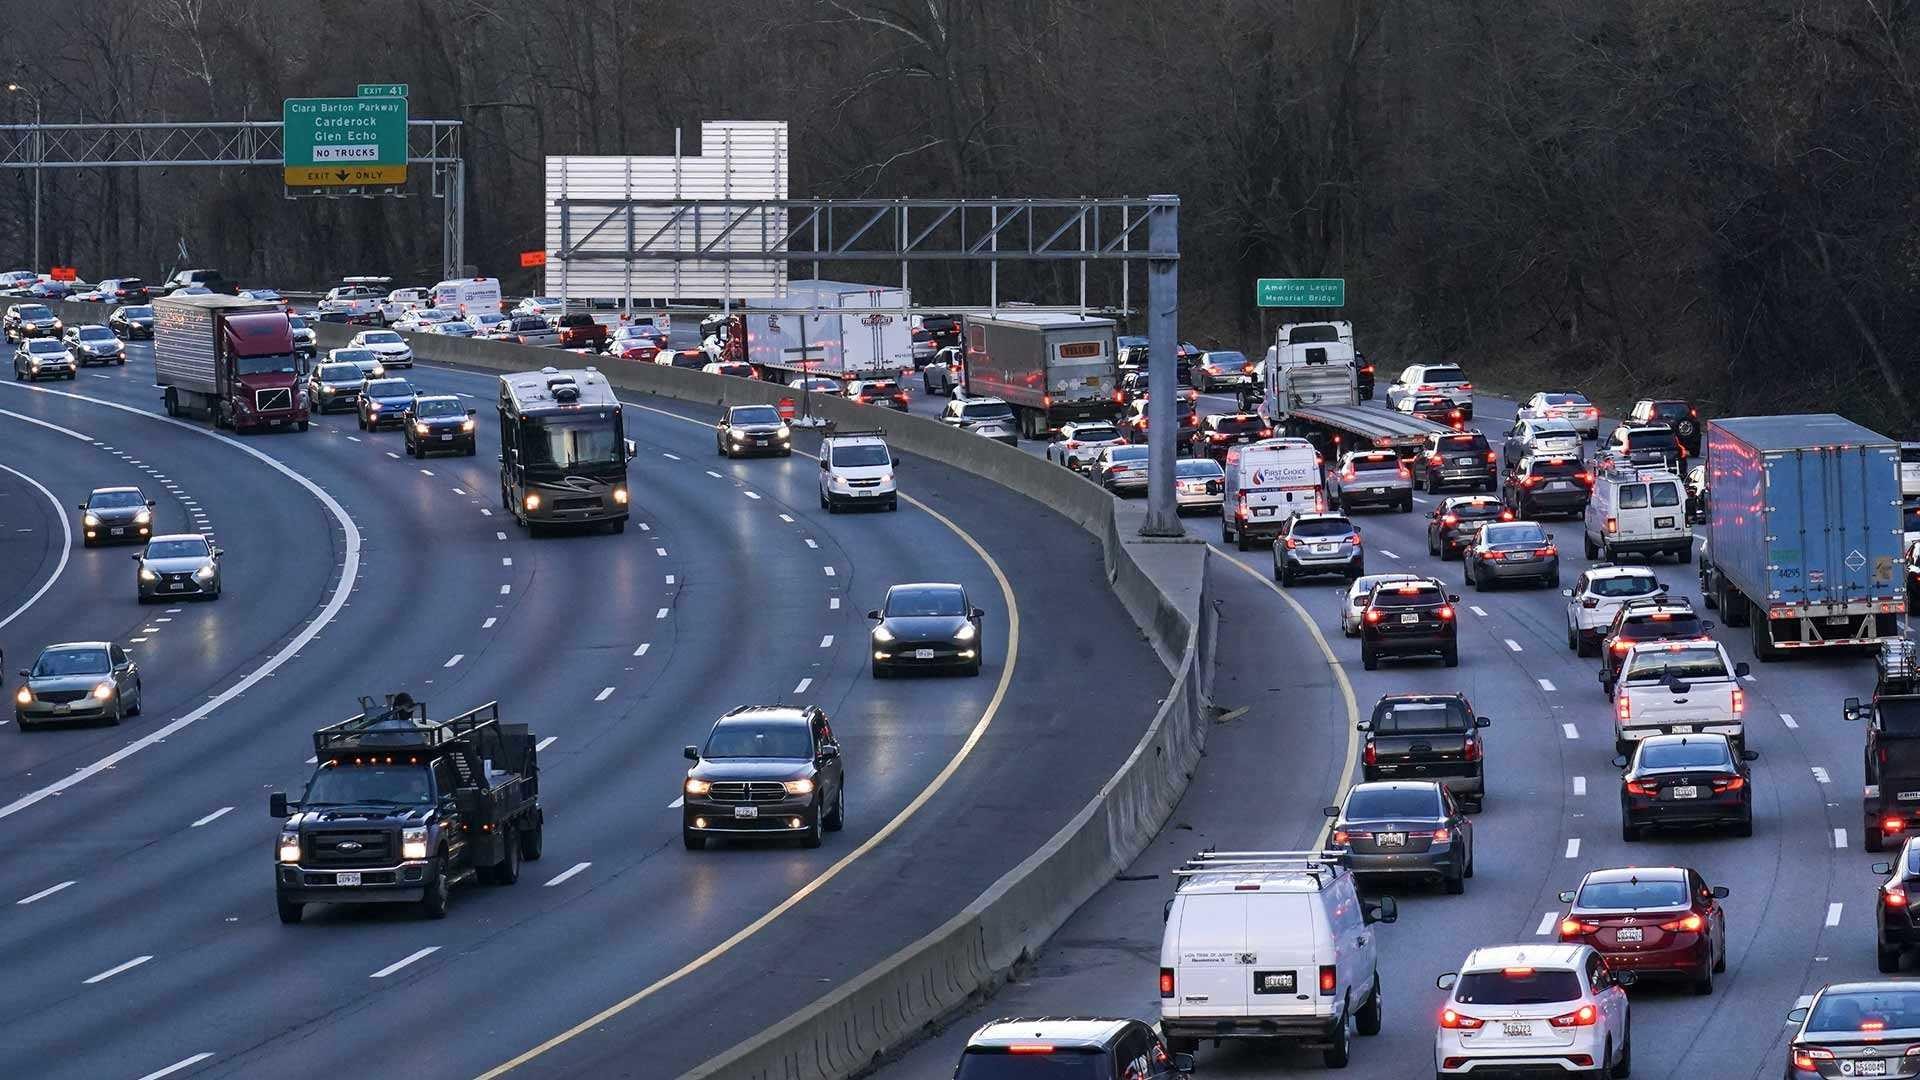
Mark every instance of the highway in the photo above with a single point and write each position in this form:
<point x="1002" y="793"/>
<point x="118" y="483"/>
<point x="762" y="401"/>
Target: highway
<point x="138" y="888"/>
<point x="1801" y="908"/>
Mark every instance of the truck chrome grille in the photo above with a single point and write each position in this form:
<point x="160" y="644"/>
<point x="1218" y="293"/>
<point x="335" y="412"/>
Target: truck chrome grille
<point x="278" y="397"/>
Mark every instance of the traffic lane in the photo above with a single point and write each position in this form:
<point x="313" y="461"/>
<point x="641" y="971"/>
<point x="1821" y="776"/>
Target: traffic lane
<point x="32" y="542"/>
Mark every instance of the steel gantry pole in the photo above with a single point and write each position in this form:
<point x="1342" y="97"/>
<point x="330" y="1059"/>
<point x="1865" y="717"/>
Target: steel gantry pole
<point x="39" y="163"/>
<point x="1163" y="332"/>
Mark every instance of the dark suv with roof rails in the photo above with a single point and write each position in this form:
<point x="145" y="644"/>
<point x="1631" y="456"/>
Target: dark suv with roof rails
<point x="765" y="771"/>
<point x="1455" y="459"/>
<point x="439" y="422"/>
<point x="1409" y="618"/>
<point x="1069" y="1048"/>
<point x="1661" y="618"/>
<point x="1539" y="486"/>
<point x="1681" y="416"/>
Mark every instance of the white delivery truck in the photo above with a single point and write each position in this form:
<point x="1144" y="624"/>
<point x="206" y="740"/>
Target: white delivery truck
<point x="468" y="296"/>
<point x="1267" y="483"/>
<point x="860" y="331"/>
<point x="1054" y="368"/>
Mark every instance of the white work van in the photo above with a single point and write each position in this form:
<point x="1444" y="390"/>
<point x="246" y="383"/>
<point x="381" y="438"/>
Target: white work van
<point x="856" y="470"/>
<point x="1267" y="483"/>
<point x="468" y="296"/>
<point x="1270" y="945"/>
<point x="1638" y="511"/>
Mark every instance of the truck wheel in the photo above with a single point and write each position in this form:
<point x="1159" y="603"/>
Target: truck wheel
<point x="1871" y="838"/>
<point x="1593" y="551"/>
<point x="1763" y="647"/>
<point x="1337" y="1055"/>
<point x="507" y="870"/>
<point x="1684" y="556"/>
<point x="1368" y="1021"/>
<point x="1889" y="959"/>
<point x="531" y="841"/>
<point x="290" y="911"/>
<point x="434" y="904"/>
<point x="1732" y="605"/>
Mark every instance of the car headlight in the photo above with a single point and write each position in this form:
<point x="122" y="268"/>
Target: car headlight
<point x="373" y="406"/>
<point x="143" y="517"/>
<point x="205" y="573"/>
<point x="378" y="371"/>
<point x="91" y="521"/>
<point x="413" y="843"/>
<point x="148" y="575"/>
<point x="36" y="363"/>
<point x="799" y="787"/>
<point x="698" y="787"/>
<point x="103" y="692"/>
<point x="882" y="634"/>
<point x="23" y="696"/>
<point x="532" y="501"/>
<point x="785" y="432"/>
<point x="289" y="847"/>
<point x="620" y="496"/>
<point x="420" y="428"/>
<point x="967" y="633"/>
<point x="467" y="424"/>
<point x="736" y="435"/>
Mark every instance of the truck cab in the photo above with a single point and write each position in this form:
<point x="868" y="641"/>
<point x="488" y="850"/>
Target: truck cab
<point x="400" y="809"/>
<point x="1891" y="763"/>
<point x="1678" y="688"/>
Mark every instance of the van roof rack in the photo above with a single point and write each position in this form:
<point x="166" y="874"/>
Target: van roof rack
<point x="1255" y="862"/>
<point x="832" y="432"/>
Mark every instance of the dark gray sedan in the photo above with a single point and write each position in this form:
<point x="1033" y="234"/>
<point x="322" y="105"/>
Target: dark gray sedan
<point x="115" y="514"/>
<point x="78" y="680"/>
<point x="1405" y="828"/>
<point x="929" y="625"/>
<point x="181" y="564"/>
<point x="1504" y="551"/>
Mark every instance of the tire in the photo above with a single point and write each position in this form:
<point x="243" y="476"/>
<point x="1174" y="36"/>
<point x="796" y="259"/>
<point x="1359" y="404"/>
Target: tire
<point x="531" y="842"/>
<point x="1367" y="658"/>
<point x="837" y="817"/>
<point x="693" y="840"/>
<point x="290" y="912"/>
<point x="1240" y="541"/>
<point x="1573" y="639"/>
<point x="304" y="424"/>
<point x="1719" y="964"/>
<point x="1181" y="1045"/>
<point x="880" y="672"/>
<point x="1406" y="505"/>
<point x="1451" y="656"/>
<point x="617" y="526"/>
<point x="361" y="419"/>
<point x="1684" y="556"/>
<point x="439" y="894"/>
<point x="1763" y="647"/>
<point x="1457" y="883"/>
<point x="1703" y="986"/>
<point x="1871" y="838"/>
<point x="1433" y="546"/>
<point x="507" y="870"/>
<point x="1629" y="833"/>
<point x="139" y="699"/>
<point x="1889" y="959"/>
<point x="814" y="835"/>
<point x="1593" y="552"/>
<point x="1367" y="1021"/>
<point x="1744" y="827"/>
<point x="119" y="713"/>
<point x="1286" y="575"/>
<point x="1341" y="1052"/>
<point x="972" y="670"/>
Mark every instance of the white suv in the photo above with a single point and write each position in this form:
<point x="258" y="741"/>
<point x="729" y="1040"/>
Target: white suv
<point x="1431" y="379"/>
<point x="856" y="469"/>
<point x="1534" y="1007"/>
<point x="1598" y="596"/>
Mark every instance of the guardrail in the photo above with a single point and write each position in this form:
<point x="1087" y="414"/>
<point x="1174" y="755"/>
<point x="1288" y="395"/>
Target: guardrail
<point x="880" y="1010"/>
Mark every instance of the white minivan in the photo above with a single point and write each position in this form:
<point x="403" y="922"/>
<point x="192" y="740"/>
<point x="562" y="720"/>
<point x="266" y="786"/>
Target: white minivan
<point x="1270" y="945"/>
<point x="1268" y="482"/>
<point x="1638" y="511"/>
<point x="856" y="469"/>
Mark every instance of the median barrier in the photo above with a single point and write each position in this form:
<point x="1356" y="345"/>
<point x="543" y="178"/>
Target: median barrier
<point x="844" y="1033"/>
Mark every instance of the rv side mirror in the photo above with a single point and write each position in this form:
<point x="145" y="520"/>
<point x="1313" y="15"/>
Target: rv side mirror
<point x="277" y="804"/>
<point x="1330" y="811"/>
<point x="1183" y="1064"/>
<point x="978" y="613"/>
<point x="1720" y="892"/>
<point x="632" y="450"/>
<point x="1881" y="868"/>
<point x="1740" y="669"/>
<point x="1566" y="897"/>
<point x="1619" y="761"/>
<point x="1568" y="593"/>
<point x="691" y="753"/>
<point x="1445" y="982"/>
<point x="1850" y="708"/>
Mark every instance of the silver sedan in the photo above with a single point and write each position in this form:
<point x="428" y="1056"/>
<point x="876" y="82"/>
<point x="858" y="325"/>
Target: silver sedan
<point x="179" y="564"/>
<point x="78" y="680"/>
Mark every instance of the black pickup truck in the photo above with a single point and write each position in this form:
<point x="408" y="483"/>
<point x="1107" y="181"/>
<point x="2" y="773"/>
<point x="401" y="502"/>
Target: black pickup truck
<point x="1427" y="737"/>
<point x="401" y="808"/>
<point x="1890" y="806"/>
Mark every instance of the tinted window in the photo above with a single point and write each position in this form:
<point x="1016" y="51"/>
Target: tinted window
<point x="1128" y="454"/>
<point x="1661" y="624"/>
<point x="1090" y="433"/>
<point x="1626" y="585"/>
<point x="1633" y="496"/>
<point x="437" y="407"/>
<point x="1513" y="533"/>
<point x="1063" y="1064"/>
<point x="1517" y="986"/>
<point x="993" y="410"/>
<point x="380" y="337"/>
<point x="35" y="311"/>
<point x="911" y="602"/>
<point x="740" y="740"/>
<point x="1407" y="717"/>
<point x="339" y="372"/>
<point x="1563" y="399"/>
<point x="1445" y="373"/>
<point x="177" y="549"/>
<point x="354" y="356"/>
<point x="389" y="388"/>
<point x="1451" y="444"/>
<point x="1665" y="493"/>
<point x="1687" y="755"/>
<point x="138" y="312"/>
<point x="1397" y="597"/>
<point x="861" y="455"/>
<point x="756" y="414"/>
<point x="1862" y="1010"/>
<point x="346" y="785"/>
<point x="1651" y="440"/>
<point x="72" y="662"/>
<point x="1553" y="467"/>
<point x="1898" y="716"/>
<point x="1475" y="511"/>
<point x="1198" y="469"/>
<point x="1321" y="527"/>
<point x="1669" y="410"/>
<point x="114" y="500"/>
<point x="44" y="345"/>
<point x="1376" y="463"/>
<point x="1413" y="802"/>
<point x="1554" y="429"/>
<point x="1236" y="425"/>
<point x="95" y="333"/>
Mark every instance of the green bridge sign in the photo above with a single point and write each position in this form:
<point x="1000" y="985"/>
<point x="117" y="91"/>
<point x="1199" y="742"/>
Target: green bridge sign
<point x="1307" y="292"/>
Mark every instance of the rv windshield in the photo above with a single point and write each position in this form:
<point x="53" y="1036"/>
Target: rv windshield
<point x="570" y="441"/>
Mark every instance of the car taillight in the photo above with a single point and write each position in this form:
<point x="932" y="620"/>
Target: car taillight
<point x="1893" y="824"/>
<point x="1166" y="982"/>
<point x="1240" y="507"/>
<point x="1584" y="477"/>
<point x="1119" y="397"/>
<point x="1219" y="436"/>
<point x="1473" y="751"/>
<point x="1292" y="543"/>
<point x="1624" y="708"/>
<point x="1369" y="756"/>
<point x="1689" y="924"/>
<point x="1590" y="602"/>
<point x="1592" y="413"/>
<point x="1894" y="895"/>
<point x="1529" y="481"/>
<point x="1445" y="612"/>
<point x="1347" y="473"/>
<point x="1266" y="433"/>
<point x="1621" y="646"/>
<point x="1572" y="928"/>
<point x="1613" y="525"/>
<point x="901" y="397"/>
<point x="1584" y="1016"/>
<point x="1046" y="401"/>
<point x="1405" y="473"/>
<point x="1423" y="388"/>
<point x="1739" y="701"/>
<point x="1073" y="444"/>
<point x="1806" y="1058"/>
<point x="1732" y="783"/>
<point x="1442" y="835"/>
<point x="1459" y="1021"/>
<point x="1635" y="787"/>
<point x="1328" y="978"/>
<point x="1506" y="515"/>
<point x="1341" y="837"/>
<point x="1546" y="552"/>
<point x="1366" y="369"/>
<point x="1449" y="519"/>
<point x="1372" y="615"/>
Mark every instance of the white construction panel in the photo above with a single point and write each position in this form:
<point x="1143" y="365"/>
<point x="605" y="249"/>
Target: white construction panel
<point x="738" y="159"/>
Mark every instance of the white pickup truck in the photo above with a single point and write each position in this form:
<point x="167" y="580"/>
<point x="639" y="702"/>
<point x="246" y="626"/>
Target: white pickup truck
<point x="1678" y="687"/>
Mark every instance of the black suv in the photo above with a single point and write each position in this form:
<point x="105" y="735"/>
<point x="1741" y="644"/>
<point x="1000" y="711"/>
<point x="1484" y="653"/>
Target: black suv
<point x="1427" y="737"/>
<point x="1451" y="525"/>
<point x="1681" y="416"/>
<point x="929" y="625"/>
<point x="1409" y="618"/>
<point x="438" y="422"/>
<point x="1461" y="458"/>
<point x="1060" y="1048"/>
<point x="1221" y="431"/>
<point x="766" y="770"/>
<point x="1660" y="618"/>
<point x="1548" y="485"/>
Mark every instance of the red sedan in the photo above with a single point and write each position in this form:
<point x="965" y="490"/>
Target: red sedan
<point x="1654" y="920"/>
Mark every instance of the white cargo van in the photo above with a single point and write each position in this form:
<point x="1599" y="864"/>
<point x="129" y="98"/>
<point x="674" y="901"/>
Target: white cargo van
<point x="468" y="296"/>
<point x="1267" y="483"/>
<point x="1638" y="511"/>
<point x="1270" y="945"/>
<point x="856" y="469"/>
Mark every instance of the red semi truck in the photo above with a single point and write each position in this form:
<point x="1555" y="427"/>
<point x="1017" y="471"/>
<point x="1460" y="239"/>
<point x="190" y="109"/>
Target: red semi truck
<point x="230" y="360"/>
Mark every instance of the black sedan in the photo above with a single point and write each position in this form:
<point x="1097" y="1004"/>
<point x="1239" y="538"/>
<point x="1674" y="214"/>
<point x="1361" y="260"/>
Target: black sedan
<point x="1402" y="828"/>
<point x="1855" y="1029"/>
<point x="116" y="514"/>
<point x="765" y="771"/>
<point x="1897" y="928"/>
<point x="1451" y="525"/>
<point x="132" y="322"/>
<point x="438" y="422"/>
<point x="926" y="625"/>
<point x="384" y="403"/>
<point x="1685" y="780"/>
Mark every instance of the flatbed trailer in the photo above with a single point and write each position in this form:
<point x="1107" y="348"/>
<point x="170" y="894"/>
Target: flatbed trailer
<point x="1334" y="429"/>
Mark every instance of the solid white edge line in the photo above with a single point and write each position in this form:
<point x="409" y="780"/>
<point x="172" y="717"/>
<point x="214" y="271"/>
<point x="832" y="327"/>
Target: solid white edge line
<point x="398" y="964"/>
<point x="213" y="817"/>
<point x="42" y="894"/>
<point x="66" y="546"/>
<point x="184" y="1063"/>
<point x="567" y="873"/>
<point x="349" y="572"/>
<point x="68" y="432"/>
<point x="115" y="970"/>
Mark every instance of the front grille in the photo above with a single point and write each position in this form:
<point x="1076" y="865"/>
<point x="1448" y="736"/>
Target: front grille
<point x="330" y="848"/>
<point x="60" y="697"/>
<point x="863" y="483"/>
<point x="278" y="397"/>
<point x="576" y="502"/>
<point x="747" y="791"/>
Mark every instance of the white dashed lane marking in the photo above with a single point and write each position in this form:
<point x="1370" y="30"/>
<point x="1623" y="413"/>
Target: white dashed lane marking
<point x="215" y="816"/>
<point x="117" y="969"/>
<point x="398" y="964"/>
<point x="1512" y="644"/>
<point x="1476" y="609"/>
<point x="183" y="1063"/>
<point x="1547" y="685"/>
<point x="1388" y="554"/>
<point x="801" y="686"/>
<point x="826" y="641"/>
<point x="42" y="894"/>
<point x="642" y="650"/>
<point x="604" y="694"/>
<point x="661" y="614"/>
<point x="1820" y="775"/>
<point x="1787" y="719"/>
<point x="455" y="659"/>
<point x="1840" y="838"/>
<point x="1579" y="785"/>
<point x="1546" y="924"/>
<point x="569" y="872"/>
<point x="1570" y="731"/>
<point x="1833" y="913"/>
<point x="1573" y="847"/>
<point x="488" y="625"/>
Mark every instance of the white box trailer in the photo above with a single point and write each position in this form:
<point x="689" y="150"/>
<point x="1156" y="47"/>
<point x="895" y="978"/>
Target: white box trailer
<point x="861" y="330"/>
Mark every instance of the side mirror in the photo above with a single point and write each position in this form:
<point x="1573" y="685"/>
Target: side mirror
<point x="151" y="504"/>
<point x="1661" y="588"/>
<point x="1453" y="598"/>
<point x="691" y="753"/>
<point x="1445" y="982"/>
<point x="1619" y="761"/>
<point x="1384" y="910"/>
<point x="1881" y="868"/>
<point x="1481" y="722"/>
<point x="1183" y="1064"/>
<point x="893" y="459"/>
<point x="977" y="613"/>
<point x="277" y="804"/>
<point x="1364" y="725"/>
<point x="476" y="412"/>
<point x="1850" y="708"/>
<point x="828" y="752"/>
<point x="874" y="614"/>
<point x="1749" y="755"/>
<point x="1740" y="669"/>
<point x="1706" y="624"/>
<point x="1166" y="910"/>
<point x="1566" y="897"/>
<point x="135" y="558"/>
<point x="1568" y="593"/>
<point x="823" y="462"/>
<point x="632" y="450"/>
<point x="1330" y="811"/>
<point x="217" y="552"/>
<point x="25" y="674"/>
<point x="1720" y="892"/>
<point x="83" y="506"/>
<point x="1797" y="1016"/>
<point x="1626" y="978"/>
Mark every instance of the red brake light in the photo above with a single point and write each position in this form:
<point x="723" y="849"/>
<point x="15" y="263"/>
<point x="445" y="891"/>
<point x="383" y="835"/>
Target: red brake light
<point x="1369" y="756"/>
<point x="1689" y="924"/>
<point x="1572" y="928"/>
<point x="1529" y="481"/>
<point x="1739" y="701"/>
<point x="1472" y="752"/>
<point x="1894" y="895"/>
<point x="1583" y="1016"/>
<point x="1442" y="835"/>
<point x="1347" y="473"/>
<point x="1459" y="1021"/>
<point x="1449" y="519"/>
<point x="1445" y="612"/>
<point x="1030" y="1048"/>
<point x="1613" y="525"/>
<point x="1292" y="543"/>
<point x="1635" y="787"/>
<point x="1166" y="982"/>
<point x="1408" y="590"/>
<point x="1893" y="824"/>
<point x="1506" y="515"/>
<point x="1328" y="979"/>
<point x="1433" y="459"/>
<point x="1625" y="708"/>
<point x="1373" y="615"/>
<point x="1547" y="551"/>
<point x="1804" y="1059"/>
<point x="1341" y="836"/>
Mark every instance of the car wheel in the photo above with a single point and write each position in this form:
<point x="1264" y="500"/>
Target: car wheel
<point x="837" y="817"/>
<point x="1684" y="556"/>
<point x="1368" y="660"/>
<point x="1286" y="575"/>
<point x="1340" y="1053"/>
<point x="1433" y="546"/>
<point x="1573" y="638"/>
<point x="1240" y="541"/>
<point x="438" y="894"/>
<point x="1703" y="986"/>
<point x="813" y="836"/>
<point x="1456" y="883"/>
<point x="880" y="670"/>
<point x="1451" y="656"/>
<point x="1367" y="1022"/>
<point x="1593" y="550"/>
<point x="119" y="712"/>
<point x="290" y="911"/>
<point x="1744" y="827"/>
<point x="139" y="700"/>
<point x="1889" y="959"/>
<point x="1629" y="832"/>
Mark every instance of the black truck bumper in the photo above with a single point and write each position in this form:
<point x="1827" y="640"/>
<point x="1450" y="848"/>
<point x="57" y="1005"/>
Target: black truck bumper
<point x="400" y="884"/>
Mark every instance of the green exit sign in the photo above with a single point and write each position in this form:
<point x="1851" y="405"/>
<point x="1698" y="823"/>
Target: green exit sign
<point x="383" y="89"/>
<point x="1309" y="292"/>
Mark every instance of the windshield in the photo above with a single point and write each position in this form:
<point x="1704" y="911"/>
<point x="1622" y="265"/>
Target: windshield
<point x="1517" y="533"/>
<point x="96" y="333"/>
<point x="1866" y="1010"/>
<point x="282" y="363"/>
<point x="991" y="410"/>
<point x="1517" y="986"/>
<point x="1237" y="425"/>
<point x="1198" y="469"/>
<point x="1625" y="585"/>
<point x="1226" y="359"/>
<point x="389" y="389"/>
<point x="1393" y="596"/>
<point x="35" y="311"/>
<point x="586" y="440"/>
<point x="1670" y="410"/>
<point x="438" y="407"/>
<point x="354" y="356"/>
<point x="759" y="741"/>
<point x="1444" y="374"/>
<point x="925" y="602"/>
<point x="345" y="785"/>
<point x="1322" y="527"/>
<point x="1408" y="717"/>
<point x="380" y="337"/>
<point x="1651" y="440"/>
<point x="1392" y="802"/>
<point x="297" y="322"/>
<point x="861" y="455"/>
<point x="1626" y="895"/>
<point x="45" y="345"/>
<point x="340" y="372"/>
<point x="1679" y="661"/>
<point x="1692" y="754"/>
<point x="456" y="328"/>
<point x="756" y="414"/>
<point x="71" y="662"/>
<point x="137" y="312"/>
<point x="177" y="549"/>
<point x="1061" y="1064"/>
<point x="114" y="500"/>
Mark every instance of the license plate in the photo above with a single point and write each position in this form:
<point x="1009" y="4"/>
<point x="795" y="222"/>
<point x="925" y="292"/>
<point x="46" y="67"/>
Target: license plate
<point x="1663" y="523"/>
<point x="1463" y="461"/>
<point x="1908" y="796"/>
<point x="1516" y="1029"/>
<point x="864" y="492"/>
<point x="923" y="654"/>
<point x="1837" y="620"/>
<point x="1629" y="933"/>
<point x="1092" y="380"/>
<point x="62" y="708"/>
<point x="1276" y="982"/>
<point x="1323" y="549"/>
<point x="746" y="811"/>
<point x="1409" y="619"/>
<point x="347" y="878"/>
<point x="1863" y="1067"/>
<point x="120" y="530"/>
<point x="759" y="442"/>
<point x="1520" y="556"/>
<point x="1681" y="729"/>
<point x="446" y="438"/>
<point x="274" y="423"/>
<point x="1560" y="485"/>
<point x="1684" y="792"/>
<point x="1392" y="839"/>
<point x="1263" y="511"/>
<point x="178" y="586"/>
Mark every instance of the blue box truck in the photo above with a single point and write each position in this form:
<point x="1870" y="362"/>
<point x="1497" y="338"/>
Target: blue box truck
<point x="1803" y="531"/>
